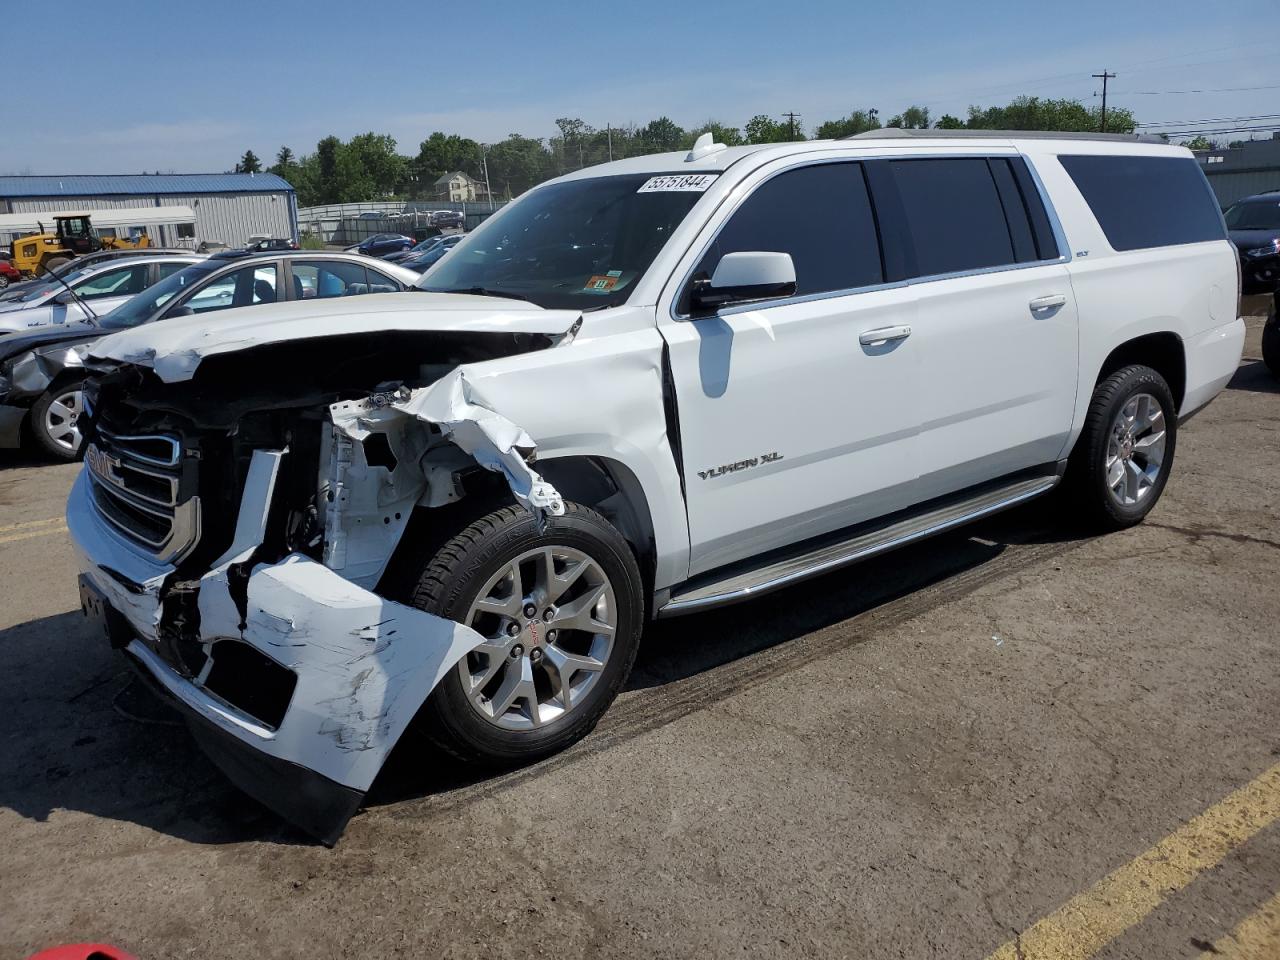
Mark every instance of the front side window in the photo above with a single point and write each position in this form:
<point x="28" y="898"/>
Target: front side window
<point x="121" y="282"/>
<point x="1143" y="202"/>
<point x="954" y="215"/>
<point x="581" y="244"/>
<point x="245" y="287"/>
<point x="820" y="215"/>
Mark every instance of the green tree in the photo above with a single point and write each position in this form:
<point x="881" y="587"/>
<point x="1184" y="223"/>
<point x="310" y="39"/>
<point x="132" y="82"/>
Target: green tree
<point x="729" y="136"/>
<point x="443" y="153"/>
<point x="948" y="122"/>
<point x="285" y="167"/>
<point x="516" y="164"/>
<point x="1198" y="142"/>
<point x="374" y="156"/>
<point x="764" y="129"/>
<point x="912" y="118"/>
<point x="249" y="163"/>
<point x="660" y="136"/>
<point x="859" y="121"/>
<point x="1033" y="113"/>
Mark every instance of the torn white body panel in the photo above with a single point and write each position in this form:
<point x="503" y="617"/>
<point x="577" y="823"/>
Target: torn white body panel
<point x="176" y="348"/>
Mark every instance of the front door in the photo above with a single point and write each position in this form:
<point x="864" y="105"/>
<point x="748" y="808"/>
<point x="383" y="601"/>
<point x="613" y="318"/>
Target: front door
<point x="795" y="418"/>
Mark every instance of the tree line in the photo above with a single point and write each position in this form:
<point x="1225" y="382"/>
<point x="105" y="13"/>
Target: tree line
<point x="369" y="166"/>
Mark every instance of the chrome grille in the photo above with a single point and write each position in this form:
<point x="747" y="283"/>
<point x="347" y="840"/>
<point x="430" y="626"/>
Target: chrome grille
<point x="136" y="487"/>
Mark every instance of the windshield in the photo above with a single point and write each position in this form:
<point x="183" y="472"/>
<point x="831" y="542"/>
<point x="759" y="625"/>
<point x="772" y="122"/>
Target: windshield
<point x="1254" y="215"/>
<point x="579" y="245"/>
<point x="139" y="309"/>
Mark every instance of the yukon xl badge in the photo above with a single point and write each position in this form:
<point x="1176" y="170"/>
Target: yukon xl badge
<point x="740" y="465"/>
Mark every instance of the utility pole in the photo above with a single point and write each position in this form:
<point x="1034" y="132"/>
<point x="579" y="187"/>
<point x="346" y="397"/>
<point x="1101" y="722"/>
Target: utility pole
<point x="1104" y="77"/>
<point x="791" y="124"/>
<point x="608" y="127"/>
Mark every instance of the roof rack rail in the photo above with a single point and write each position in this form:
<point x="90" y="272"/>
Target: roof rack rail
<point x="896" y="133"/>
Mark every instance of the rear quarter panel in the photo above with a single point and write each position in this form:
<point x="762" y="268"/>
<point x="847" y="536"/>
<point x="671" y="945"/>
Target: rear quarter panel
<point x="1187" y="289"/>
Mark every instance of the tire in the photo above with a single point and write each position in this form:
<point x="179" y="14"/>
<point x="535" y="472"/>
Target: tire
<point x="53" y="263"/>
<point x="1271" y="344"/>
<point x="4" y="281"/>
<point x="52" y="421"/>
<point x="1114" y="444"/>
<point x="467" y="714"/>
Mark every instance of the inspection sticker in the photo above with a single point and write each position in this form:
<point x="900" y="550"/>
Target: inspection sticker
<point x="688" y="183"/>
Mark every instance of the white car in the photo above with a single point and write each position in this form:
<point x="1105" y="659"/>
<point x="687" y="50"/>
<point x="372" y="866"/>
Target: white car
<point x="101" y="287"/>
<point x="647" y="388"/>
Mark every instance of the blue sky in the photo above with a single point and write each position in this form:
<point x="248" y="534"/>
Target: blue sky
<point x="200" y="83"/>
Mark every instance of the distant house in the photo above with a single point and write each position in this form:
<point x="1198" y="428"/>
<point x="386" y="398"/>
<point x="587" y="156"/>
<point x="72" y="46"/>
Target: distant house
<point x="459" y="186"/>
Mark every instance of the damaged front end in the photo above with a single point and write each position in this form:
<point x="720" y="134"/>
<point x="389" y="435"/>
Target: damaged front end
<point x="234" y="530"/>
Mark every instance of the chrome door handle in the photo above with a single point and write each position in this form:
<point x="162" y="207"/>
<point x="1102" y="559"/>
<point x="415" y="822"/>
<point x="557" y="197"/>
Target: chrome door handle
<point x="882" y="335"/>
<point x="1048" y="303"/>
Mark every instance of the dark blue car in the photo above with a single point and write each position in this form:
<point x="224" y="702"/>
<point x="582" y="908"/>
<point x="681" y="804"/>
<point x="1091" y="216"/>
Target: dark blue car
<point x="380" y="244"/>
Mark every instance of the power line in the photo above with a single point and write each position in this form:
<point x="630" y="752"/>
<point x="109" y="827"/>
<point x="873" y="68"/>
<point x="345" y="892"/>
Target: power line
<point x="1161" y="93"/>
<point x="1103" y="76"/>
<point x="1186" y="123"/>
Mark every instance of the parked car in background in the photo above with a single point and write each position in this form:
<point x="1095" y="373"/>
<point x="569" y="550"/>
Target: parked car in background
<point x="417" y="250"/>
<point x="432" y="254"/>
<point x="94" y="290"/>
<point x="1253" y="224"/>
<point x="380" y="244"/>
<point x="645" y="389"/>
<point x="40" y="369"/>
<point x="447" y="218"/>
<point x="15" y="290"/>
<point x="8" y="273"/>
<point x="264" y="243"/>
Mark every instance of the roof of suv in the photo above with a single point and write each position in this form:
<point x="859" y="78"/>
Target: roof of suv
<point x="719" y="160"/>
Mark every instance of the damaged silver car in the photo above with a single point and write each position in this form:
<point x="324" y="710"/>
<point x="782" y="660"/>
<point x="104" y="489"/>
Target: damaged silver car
<point x="644" y="389"/>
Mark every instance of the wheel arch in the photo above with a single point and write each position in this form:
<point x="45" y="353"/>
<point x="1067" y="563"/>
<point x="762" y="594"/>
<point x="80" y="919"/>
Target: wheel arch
<point x="1163" y="351"/>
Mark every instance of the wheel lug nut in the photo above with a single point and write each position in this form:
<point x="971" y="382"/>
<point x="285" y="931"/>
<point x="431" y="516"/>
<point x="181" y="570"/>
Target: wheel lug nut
<point x="549" y="614"/>
<point x="513" y="630"/>
<point x="535" y="655"/>
<point x="551" y="636"/>
<point x="517" y="652"/>
<point x="530" y="610"/>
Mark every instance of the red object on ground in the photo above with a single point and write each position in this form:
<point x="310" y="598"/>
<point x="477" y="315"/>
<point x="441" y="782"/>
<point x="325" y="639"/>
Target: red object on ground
<point x="82" y="951"/>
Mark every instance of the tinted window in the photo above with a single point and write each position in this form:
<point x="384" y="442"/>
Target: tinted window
<point x="1147" y="201"/>
<point x="821" y="215"/>
<point x="954" y="215"/>
<point x="1255" y="215"/>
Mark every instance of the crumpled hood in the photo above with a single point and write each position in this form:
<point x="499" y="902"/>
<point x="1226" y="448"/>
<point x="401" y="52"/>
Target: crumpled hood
<point x="12" y="344"/>
<point x="175" y="348"/>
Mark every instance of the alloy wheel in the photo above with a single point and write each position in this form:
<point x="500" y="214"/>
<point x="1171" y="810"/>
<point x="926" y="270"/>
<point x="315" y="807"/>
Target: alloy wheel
<point x="549" y="617"/>
<point x="1135" y="449"/>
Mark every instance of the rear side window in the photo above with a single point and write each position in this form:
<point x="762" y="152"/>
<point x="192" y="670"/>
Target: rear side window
<point x="821" y="215"/>
<point x="1145" y="202"/>
<point x="954" y="214"/>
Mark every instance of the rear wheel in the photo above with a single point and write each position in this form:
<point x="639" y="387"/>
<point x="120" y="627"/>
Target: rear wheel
<point x="1122" y="460"/>
<point x="55" y="421"/>
<point x="561" y="612"/>
<point x="1271" y="344"/>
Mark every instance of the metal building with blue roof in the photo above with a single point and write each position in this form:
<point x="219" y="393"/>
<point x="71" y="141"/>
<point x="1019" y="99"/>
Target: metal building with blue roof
<point x="227" y="208"/>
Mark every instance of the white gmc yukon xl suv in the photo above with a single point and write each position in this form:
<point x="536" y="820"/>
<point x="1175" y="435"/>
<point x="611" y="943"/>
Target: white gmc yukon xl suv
<point x="644" y="389"/>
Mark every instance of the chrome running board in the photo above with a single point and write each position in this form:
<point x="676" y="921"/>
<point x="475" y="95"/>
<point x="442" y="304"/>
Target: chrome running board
<point x="864" y="542"/>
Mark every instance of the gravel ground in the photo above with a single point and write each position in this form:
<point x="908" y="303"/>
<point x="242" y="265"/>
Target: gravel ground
<point x="917" y="757"/>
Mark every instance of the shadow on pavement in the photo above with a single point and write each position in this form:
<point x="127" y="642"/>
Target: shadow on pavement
<point x="84" y="736"/>
<point x="1254" y="377"/>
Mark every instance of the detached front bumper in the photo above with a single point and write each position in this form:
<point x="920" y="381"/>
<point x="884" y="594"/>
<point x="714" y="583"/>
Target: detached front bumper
<point x="347" y="669"/>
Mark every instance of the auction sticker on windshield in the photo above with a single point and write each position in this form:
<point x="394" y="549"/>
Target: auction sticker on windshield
<point x="687" y="183"/>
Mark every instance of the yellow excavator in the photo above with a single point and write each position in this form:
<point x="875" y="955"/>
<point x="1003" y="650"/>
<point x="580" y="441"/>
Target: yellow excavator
<point x="72" y="236"/>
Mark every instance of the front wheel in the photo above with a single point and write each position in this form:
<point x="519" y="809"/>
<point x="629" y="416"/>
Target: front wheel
<point x="561" y="612"/>
<point x="55" y="421"/>
<point x="1121" y="462"/>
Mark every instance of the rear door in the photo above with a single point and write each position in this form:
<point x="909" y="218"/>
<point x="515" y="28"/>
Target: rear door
<point x="995" y="328"/>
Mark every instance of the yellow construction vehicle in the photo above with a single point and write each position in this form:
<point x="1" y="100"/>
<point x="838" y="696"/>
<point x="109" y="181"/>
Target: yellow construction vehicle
<point x="72" y="236"/>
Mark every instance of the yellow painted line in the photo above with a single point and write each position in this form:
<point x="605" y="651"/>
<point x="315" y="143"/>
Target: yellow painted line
<point x="1256" y="938"/>
<point x="32" y="534"/>
<point x="27" y="524"/>
<point x="1090" y="920"/>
